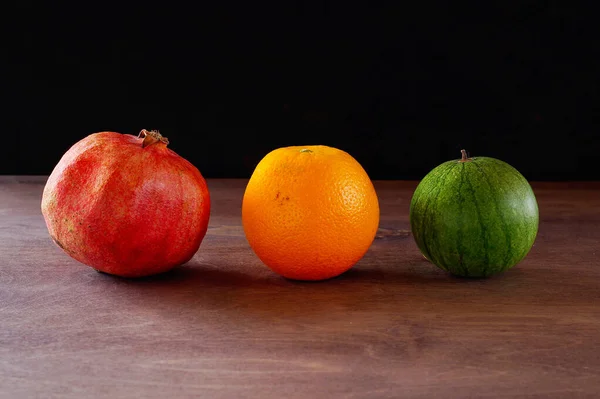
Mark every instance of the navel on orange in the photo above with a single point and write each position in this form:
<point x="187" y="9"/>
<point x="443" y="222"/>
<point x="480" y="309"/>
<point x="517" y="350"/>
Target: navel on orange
<point x="310" y="212"/>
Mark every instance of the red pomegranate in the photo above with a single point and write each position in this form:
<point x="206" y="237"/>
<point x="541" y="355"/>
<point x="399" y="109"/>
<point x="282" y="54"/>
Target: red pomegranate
<point x="126" y="205"/>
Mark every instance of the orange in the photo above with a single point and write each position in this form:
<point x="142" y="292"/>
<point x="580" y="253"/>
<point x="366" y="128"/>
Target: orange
<point x="310" y="212"/>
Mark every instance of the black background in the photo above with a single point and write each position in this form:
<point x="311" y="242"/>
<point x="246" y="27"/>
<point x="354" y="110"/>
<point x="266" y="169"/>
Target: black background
<point x="401" y="87"/>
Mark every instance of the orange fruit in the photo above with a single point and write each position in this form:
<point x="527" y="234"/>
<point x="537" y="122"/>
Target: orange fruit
<point x="310" y="212"/>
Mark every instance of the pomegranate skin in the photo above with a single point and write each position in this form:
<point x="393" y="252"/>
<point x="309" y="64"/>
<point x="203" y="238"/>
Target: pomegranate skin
<point x="126" y="205"/>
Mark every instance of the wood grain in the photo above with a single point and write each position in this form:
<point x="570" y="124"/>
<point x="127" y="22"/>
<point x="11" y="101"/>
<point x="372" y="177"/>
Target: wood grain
<point x="224" y="326"/>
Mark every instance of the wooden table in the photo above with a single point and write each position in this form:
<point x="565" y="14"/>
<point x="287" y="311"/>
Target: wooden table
<point x="224" y="326"/>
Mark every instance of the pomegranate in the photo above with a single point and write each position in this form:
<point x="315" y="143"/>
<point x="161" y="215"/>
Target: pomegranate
<point x="126" y="205"/>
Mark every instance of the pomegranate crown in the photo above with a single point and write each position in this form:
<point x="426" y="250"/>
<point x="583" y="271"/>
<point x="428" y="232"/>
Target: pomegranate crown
<point x="151" y="137"/>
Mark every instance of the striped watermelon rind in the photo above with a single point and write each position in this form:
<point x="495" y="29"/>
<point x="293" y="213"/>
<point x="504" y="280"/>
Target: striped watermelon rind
<point x="474" y="217"/>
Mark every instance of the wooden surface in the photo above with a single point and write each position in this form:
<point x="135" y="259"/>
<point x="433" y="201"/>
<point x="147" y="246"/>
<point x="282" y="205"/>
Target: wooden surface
<point x="224" y="326"/>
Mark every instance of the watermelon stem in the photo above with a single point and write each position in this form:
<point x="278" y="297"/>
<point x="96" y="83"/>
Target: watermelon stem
<point x="464" y="158"/>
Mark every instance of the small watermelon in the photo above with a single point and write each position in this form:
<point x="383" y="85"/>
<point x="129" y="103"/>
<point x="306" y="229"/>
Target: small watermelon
<point x="474" y="217"/>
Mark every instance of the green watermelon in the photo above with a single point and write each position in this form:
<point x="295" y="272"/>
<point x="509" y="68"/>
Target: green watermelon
<point x="474" y="217"/>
